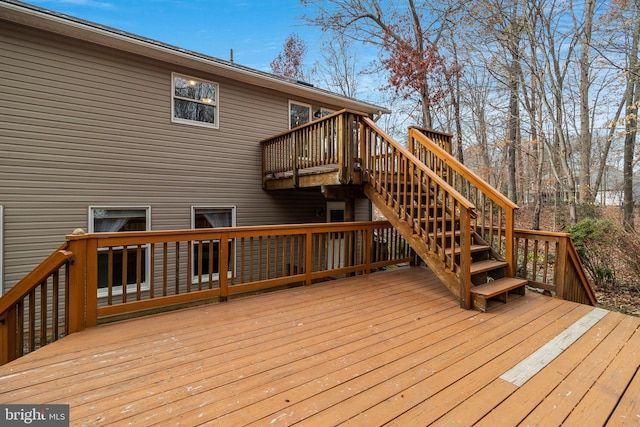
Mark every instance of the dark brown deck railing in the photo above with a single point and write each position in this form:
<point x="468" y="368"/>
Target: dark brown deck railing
<point x="80" y="284"/>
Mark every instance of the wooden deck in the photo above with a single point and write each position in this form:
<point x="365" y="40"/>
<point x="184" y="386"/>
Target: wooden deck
<point x="391" y="348"/>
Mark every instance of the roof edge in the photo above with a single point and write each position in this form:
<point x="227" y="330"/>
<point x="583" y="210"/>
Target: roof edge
<point x="48" y="20"/>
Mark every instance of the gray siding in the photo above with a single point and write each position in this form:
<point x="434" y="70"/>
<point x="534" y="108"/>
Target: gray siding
<point x="84" y="125"/>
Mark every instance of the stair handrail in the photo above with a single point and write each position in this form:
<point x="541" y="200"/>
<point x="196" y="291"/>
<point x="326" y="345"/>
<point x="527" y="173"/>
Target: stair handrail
<point x="442" y="139"/>
<point x="386" y="163"/>
<point x="12" y="305"/>
<point x="53" y="262"/>
<point x="482" y="194"/>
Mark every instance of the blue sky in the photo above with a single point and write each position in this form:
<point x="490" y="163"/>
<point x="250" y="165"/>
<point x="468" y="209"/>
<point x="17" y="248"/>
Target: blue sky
<point x="254" y="29"/>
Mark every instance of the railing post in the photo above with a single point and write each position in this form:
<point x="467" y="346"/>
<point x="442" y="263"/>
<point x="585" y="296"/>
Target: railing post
<point x="92" y="282"/>
<point x="8" y="336"/>
<point x="294" y="159"/>
<point x="560" y="272"/>
<point x="368" y="250"/>
<point x="465" y="259"/>
<point x="77" y="275"/>
<point x="509" y="241"/>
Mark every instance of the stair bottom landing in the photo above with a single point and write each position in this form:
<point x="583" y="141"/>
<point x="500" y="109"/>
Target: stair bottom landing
<point x="499" y="288"/>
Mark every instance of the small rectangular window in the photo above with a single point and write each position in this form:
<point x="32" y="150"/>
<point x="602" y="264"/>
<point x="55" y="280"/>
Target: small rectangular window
<point x="194" y="101"/>
<point x="299" y="114"/>
<point x="124" y="260"/>
<point x="206" y="254"/>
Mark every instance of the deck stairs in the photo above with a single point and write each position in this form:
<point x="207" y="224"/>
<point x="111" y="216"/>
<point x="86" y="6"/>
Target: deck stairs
<point x="459" y="225"/>
<point x="439" y="222"/>
<point x="488" y="270"/>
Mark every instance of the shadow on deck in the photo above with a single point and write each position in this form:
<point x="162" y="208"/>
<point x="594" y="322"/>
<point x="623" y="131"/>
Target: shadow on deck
<point x="388" y="347"/>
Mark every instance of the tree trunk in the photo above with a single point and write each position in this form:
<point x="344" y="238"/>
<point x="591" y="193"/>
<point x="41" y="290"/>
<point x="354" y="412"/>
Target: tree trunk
<point x="632" y="95"/>
<point x="587" y="195"/>
<point x="512" y="127"/>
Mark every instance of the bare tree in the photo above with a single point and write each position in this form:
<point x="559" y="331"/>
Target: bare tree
<point x="289" y="62"/>
<point x="408" y="39"/>
<point x="338" y="66"/>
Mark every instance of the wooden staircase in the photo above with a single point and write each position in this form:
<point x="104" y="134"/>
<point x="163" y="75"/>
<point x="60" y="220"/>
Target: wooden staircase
<point x="460" y="226"/>
<point x="467" y="247"/>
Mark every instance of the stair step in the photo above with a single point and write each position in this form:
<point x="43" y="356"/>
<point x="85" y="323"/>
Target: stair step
<point x="500" y="287"/>
<point x="486" y="265"/>
<point x="474" y="248"/>
<point x="438" y="235"/>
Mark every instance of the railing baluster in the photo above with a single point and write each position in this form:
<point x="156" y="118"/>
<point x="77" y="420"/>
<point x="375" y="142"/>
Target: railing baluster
<point x="43" y="313"/>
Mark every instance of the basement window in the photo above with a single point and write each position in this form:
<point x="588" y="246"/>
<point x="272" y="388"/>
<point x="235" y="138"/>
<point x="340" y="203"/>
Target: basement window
<point x="194" y="101"/>
<point x="121" y="267"/>
<point x="206" y="259"/>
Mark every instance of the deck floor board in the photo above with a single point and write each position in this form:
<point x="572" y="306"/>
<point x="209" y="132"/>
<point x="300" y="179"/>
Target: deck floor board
<point x="392" y="348"/>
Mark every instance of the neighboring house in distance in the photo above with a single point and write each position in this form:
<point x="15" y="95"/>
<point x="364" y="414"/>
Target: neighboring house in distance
<point x="108" y="131"/>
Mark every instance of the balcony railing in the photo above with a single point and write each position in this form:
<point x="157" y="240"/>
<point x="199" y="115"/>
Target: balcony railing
<point x="100" y="276"/>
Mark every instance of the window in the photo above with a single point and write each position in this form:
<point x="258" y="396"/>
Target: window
<point x="194" y="101"/>
<point x="324" y="112"/>
<point x="299" y="114"/>
<point x="114" y="220"/>
<point x="206" y="259"/>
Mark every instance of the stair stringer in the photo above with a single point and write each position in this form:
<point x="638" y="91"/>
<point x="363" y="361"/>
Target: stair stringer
<point x="450" y="279"/>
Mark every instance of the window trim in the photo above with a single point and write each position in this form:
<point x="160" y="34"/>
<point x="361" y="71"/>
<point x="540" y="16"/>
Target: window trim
<point x="131" y="287"/>
<point x="216" y="103"/>
<point x="302" y="104"/>
<point x="214" y="276"/>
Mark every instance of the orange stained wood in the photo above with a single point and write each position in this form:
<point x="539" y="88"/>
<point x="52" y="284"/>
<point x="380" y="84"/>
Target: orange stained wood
<point x="388" y="348"/>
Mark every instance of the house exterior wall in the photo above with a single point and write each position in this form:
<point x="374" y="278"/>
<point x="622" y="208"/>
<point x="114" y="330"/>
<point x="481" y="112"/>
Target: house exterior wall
<point x="84" y="125"/>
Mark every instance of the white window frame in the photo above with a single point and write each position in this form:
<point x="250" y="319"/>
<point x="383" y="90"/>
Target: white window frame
<point x="301" y="104"/>
<point x="214" y="102"/>
<point x="131" y="287"/>
<point x="324" y="112"/>
<point x="215" y="276"/>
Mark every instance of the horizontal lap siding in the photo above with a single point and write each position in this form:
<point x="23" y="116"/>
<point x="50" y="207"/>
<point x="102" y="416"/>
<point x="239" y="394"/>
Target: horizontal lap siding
<point x="84" y="125"/>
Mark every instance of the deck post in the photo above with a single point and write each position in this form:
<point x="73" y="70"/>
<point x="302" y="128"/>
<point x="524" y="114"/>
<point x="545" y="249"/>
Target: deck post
<point x="560" y="273"/>
<point x="465" y="259"/>
<point x="509" y="241"/>
<point x="294" y="160"/>
<point x="92" y="282"/>
<point x="77" y="275"/>
<point x="8" y="336"/>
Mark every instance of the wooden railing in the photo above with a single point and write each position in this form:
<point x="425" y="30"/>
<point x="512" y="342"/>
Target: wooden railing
<point x="441" y="139"/>
<point x="167" y="268"/>
<point x="36" y="311"/>
<point x="549" y="262"/>
<point x="494" y="210"/>
<point x="422" y="205"/>
<point x="330" y="141"/>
